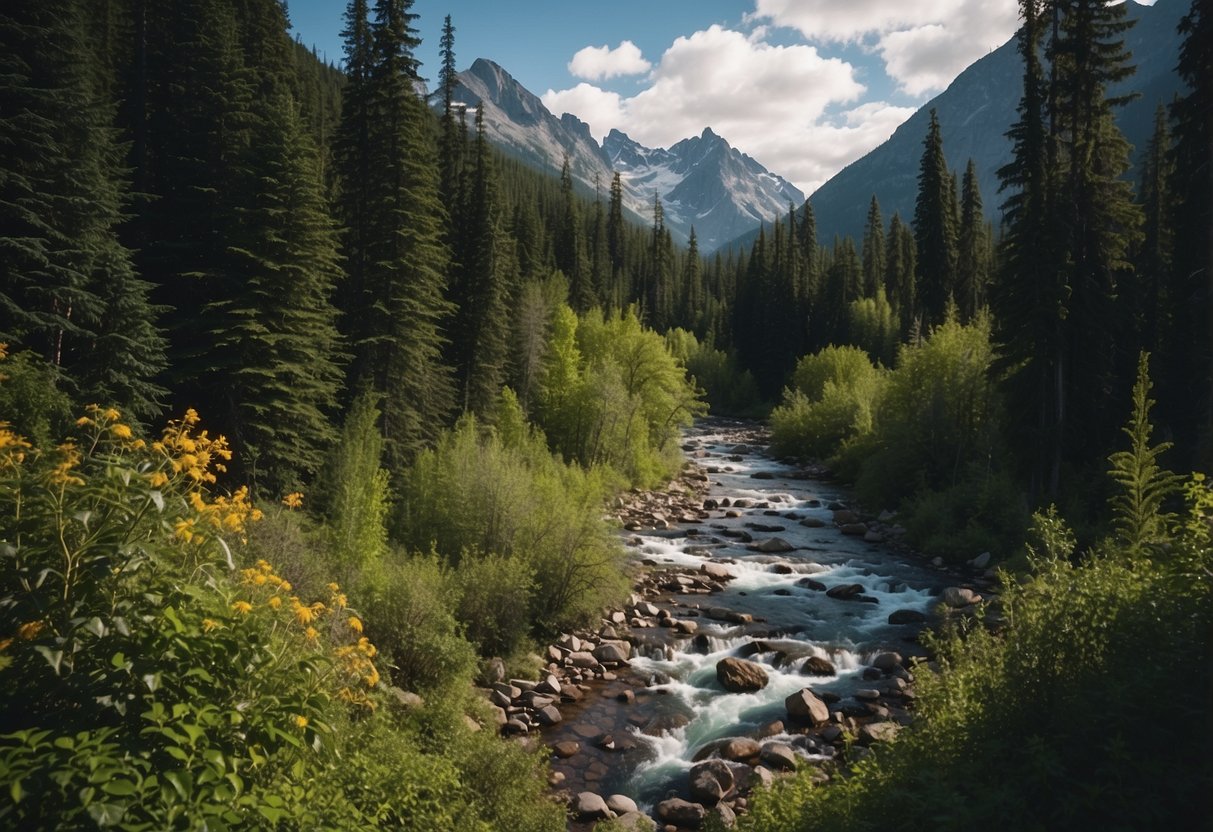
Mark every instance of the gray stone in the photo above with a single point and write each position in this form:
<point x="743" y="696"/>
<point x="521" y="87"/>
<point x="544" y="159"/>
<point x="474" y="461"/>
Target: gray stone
<point x="887" y="661"/>
<point x="981" y="561"/>
<point x="739" y="749"/>
<point x="681" y="812"/>
<point x="740" y="676"/>
<point x="779" y="756"/>
<point x="621" y="804"/>
<point x="817" y="666"/>
<point x="548" y="716"/>
<point x="717" y="572"/>
<point x="710" y="781"/>
<point x="878" y="732"/>
<point x="956" y="597"/>
<point x="906" y="617"/>
<point x="774" y="545"/>
<point x="582" y="659"/>
<point x="591" y="806"/>
<point x="635" y="822"/>
<point x="724" y="816"/>
<point x="566" y="749"/>
<point x="614" y="652"/>
<point x="804" y="704"/>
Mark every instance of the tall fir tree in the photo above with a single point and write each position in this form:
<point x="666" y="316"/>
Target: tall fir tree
<point x="451" y="139"/>
<point x="935" y="229"/>
<point x="873" y="250"/>
<point x="571" y="245"/>
<point x="1147" y="296"/>
<point x="972" y="250"/>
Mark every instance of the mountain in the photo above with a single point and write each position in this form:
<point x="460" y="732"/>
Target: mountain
<point x="702" y="181"/>
<point x="975" y="112"/>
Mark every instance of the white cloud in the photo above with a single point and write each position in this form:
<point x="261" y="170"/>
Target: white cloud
<point x="923" y="43"/>
<point x="768" y="101"/>
<point x="597" y="63"/>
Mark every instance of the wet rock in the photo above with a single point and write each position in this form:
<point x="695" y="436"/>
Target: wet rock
<point x="812" y="522"/>
<point x="590" y="806"/>
<point x="810" y="583"/>
<point x="681" y="812"/>
<point x="906" y="617"/>
<point x="854" y="529"/>
<point x="867" y="694"/>
<point x="762" y="475"/>
<point x="686" y="627"/>
<point x="730" y="616"/>
<point x="771" y="729"/>
<point x="887" y="661"/>
<point x="778" y="756"/>
<point x="981" y="561"/>
<point x="773" y="545"/>
<point x="621" y="804"/>
<point x="664" y="724"/>
<point x="739" y="749"/>
<point x="566" y="749"/>
<point x="717" y="572"/>
<point x="845" y="517"/>
<point x="817" y="666"/>
<point x="956" y="597"/>
<point x="740" y="676"/>
<point x="875" y="732"/>
<point x="613" y="652"/>
<point x="804" y="704"/>
<point x="872" y="536"/>
<point x="710" y="781"/>
<point x="845" y="592"/>
<point x="723" y="816"/>
<point x="515" y="726"/>
<point x="627" y="697"/>
<point x="548" y="716"/>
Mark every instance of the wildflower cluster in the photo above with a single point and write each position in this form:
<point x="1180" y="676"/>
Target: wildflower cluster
<point x="188" y="453"/>
<point x="230" y="515"/>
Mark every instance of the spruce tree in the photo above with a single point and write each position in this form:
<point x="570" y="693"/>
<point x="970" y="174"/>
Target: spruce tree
<point x="616" y="237"/>
<point x="693" y="288"/>
<point x="570" y="245"/>
<point x="658" y="298"/>
<point x="873" y="250"/>
<point x="934" y="229"/>
<point x="451" y="138"/>
<point x="972" y="252"/>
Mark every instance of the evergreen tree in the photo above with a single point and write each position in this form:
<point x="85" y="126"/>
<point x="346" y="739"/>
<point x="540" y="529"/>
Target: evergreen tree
<point x="451" y="138"/>
<point x="1191" y="292"/>
<point x="972" y="254"/>
<point x="1146" y="296"/>
<point x="899" y="273"/>
<point x="571" y="248"/>
<point x="286" y="373"/>
<point x="934" y="229"/>
<point x="873" y="250"/>
<point x="616" y="239"/>
<point x="693" y="288"/>
<point x="658" y="298"/>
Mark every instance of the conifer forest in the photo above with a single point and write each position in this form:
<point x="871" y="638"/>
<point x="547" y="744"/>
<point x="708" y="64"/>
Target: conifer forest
<point x="340" y="450"/>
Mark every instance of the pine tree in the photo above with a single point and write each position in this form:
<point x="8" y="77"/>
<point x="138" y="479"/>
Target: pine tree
<point x="451" y="139"/>
<point x="934" y="229"/>
<point x="972" y="253"/>
<point x="693" y="288"/>
<point x="873" y="250"/>
<point x="1191" y="291"/>
<point x="571" y="248"/>
<point x="899" y="273"/>
<point x="658" y="297"/>
<point x="286" y="354"/>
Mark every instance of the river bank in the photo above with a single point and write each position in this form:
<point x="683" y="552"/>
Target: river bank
<point x="771" y="629"/>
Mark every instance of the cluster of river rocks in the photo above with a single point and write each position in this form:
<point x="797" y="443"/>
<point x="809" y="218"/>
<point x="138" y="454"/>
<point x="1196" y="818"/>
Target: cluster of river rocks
<point x="817" y="726"/>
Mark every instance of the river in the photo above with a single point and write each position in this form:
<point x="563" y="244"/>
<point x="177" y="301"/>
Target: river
<point x="679" y="706"/>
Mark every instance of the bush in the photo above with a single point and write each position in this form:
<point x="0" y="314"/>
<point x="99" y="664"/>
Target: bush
<point x="729" y="389"/>
<point x="833" y="398"/>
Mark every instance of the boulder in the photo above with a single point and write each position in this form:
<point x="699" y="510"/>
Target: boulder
<point x="616" y="652"/>
<point x="566" y="749"/>
<point x="843" y="592"/>
<point x="739" y="749"/>
<point x="906" y="617"/>
<point x="867" y="694"/>
<point x="778" y="756"/>
<point x="717" y="572"/>
<point x="887" y="661"/>
<point x="981" y="561"/>
<point x="681" y="812"/>
<point x="547" y="716"/>
<point x="730" y="616"/>
<point x="957" y="596"/>
<point x="725" y="817"/>
<point x="759" y="777"/>
<point x="591" y="806"/>
<point x="854" y="529"/>
<point x="686" y="627"/>
<point x="812" y="522"/>
<point x="635" y="822"/>
<point x="740" y="676"/>
<point x="710" y="781"/>
<point x="810" y="583"/>
<point x="774" y="545"/>
<point x="878" y="732"/>
<point x="817" y="666"/>
<point x="581" y="659"/>
<point x="804" y="704"/>
<point x="621" y="804"/>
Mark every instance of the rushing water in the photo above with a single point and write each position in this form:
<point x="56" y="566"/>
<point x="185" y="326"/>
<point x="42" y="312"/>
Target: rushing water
<point x="792" y="621"/>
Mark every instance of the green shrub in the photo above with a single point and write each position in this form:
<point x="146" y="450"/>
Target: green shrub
<point x="492" y="591"/>
<point x="833" y="399"/>
<point x="729" y="389"/>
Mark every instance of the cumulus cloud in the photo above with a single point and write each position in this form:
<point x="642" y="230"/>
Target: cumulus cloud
<point x="597" y="63"/>
<point x="770" y="101"/>
<point x="924" y="43"/>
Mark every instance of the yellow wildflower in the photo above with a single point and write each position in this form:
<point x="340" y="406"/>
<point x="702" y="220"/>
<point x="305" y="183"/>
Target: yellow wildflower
<point x="242" y="607"/>
<point x="285" y="586"/>
<point x="372" y="678"/>
<point x="303" y="614"/>
<point x="339" y="601"/>
<point x="275" y="602"/>
<point x="259" y="579"/>
<point x="82" y="421"/>
<point x="300" y="721"/>
<point x="210" y="624"/>
<point x="121" y="431"/>
<point x="333" y="587"/>
<point x="71" y="458"/>
<point x="158" y="478"/>
<point x="355" y="624"/>
<point x="184" y="530"/>
<point x="293" y="500"/>
<point x="311" y="633"/>
<point x="4" y="643"/>
<point x="111" y="414"/>
<point x="30" y="630"/>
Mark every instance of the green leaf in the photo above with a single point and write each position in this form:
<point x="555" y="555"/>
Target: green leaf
<point x="271" y="814"/>
<point x="53" y="657"/>
<point x="106" y="814"/>
<point x="119" y="788"/>
<point x="181" y="781"/>
<point x="118" y="660"/>
<point x="15" y="790"/>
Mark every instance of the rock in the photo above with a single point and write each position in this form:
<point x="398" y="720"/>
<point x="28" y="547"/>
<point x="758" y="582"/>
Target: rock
<point x="710" y="781"/>
<point x="878" y="732"/>
<point x="635" y="822"/>
<point x="739" y="749"/>
<point x="731" y="616"/>
<point x="906" y="617"/>
<point x="844" y="516"/>
<point x="774" y="545"/>
<point x="762" y="475"/>
<point x="844" y="592"/>
<point x="872" y="536"/>
<point x="810" y="583"/>
<point x="867" y="694"/>
<point x="956" y="597"/>
<point x="759" y="777"/>
<point x="566" y="749"/>
<point x="724" y="816"/>
<point x="740" y="676"/>
<point x="782" y="568"/>
<point x="717" y="572"/>
<point x="804" y="704"/>
<point x="582" y="659"/>
<point x="621" y="804"/>
<point x="779" y="756"/>
<point x="854" y="529"/>
<point x="616" y="652"/>
<point x="687" y="627"/>
<point x="887" y="661"/>
<point x="591" y="806"/>
<point x="681" y="812"/>
<point x="812" y="522"/>
<point x="627" y="697"/>
<point x="548" y="684"/>
<point x="547" y="716"/>
<point x="771" y="729"/>
<point x="472" y="725"/>
<point x="981" y="561"/>
<point x="515" y="726"/>
<point x="406" y="699"/>
<point x="817" y="666"/>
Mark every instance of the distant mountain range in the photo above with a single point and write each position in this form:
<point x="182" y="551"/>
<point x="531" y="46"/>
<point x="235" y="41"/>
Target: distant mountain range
<point x="702" y="181"/>
<point x="976" y="111"/>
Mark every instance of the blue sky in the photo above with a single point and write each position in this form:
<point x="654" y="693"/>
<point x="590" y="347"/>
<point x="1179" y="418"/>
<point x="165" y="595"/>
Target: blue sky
<point x="803" y="86"/>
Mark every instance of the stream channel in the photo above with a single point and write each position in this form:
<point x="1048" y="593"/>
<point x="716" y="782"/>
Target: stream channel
<point x="679" y="707"/>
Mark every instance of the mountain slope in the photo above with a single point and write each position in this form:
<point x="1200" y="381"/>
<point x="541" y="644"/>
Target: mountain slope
<point x="703" y="182"/>
<point x="975" y="112"/>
